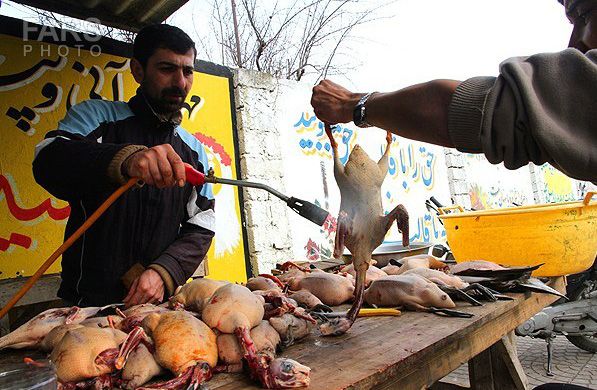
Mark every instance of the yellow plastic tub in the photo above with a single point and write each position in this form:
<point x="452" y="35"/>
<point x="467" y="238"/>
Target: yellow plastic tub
<point x="563" y="236"/>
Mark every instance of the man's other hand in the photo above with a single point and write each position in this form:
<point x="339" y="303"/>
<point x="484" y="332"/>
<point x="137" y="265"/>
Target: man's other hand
<point x="333" y="103"/>
<point x="147" y="288"/>
<point x="160" y="166"/>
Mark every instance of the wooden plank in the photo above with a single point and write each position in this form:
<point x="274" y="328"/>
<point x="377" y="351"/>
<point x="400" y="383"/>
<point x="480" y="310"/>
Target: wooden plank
<point x="498" y="367"/>
<point x="408" y="352"/>
<point x="451" y="353"/>
<point x="447" y="386"/>
<point x="480" y="370"/>
<point x="43" y="290"/>
<point x="505" y="351"/>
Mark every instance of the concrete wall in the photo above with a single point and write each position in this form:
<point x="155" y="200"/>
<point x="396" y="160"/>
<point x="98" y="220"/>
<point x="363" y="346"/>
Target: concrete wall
<point x="282" y="143"/>
<point x="260" y="154"/>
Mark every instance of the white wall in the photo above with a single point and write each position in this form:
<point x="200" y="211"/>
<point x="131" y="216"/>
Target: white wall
<point x="297" y="161"/>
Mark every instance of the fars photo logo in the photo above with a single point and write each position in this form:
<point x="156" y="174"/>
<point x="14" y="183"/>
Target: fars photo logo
<point x="53" y="40"/>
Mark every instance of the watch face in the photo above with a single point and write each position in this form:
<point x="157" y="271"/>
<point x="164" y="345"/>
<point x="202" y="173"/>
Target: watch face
<point x="362" y="122"/>
<point x="358" y="114"/>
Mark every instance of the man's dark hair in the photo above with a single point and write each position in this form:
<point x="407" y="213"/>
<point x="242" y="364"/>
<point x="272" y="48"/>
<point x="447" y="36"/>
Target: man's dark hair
<point x="156" y="36"/>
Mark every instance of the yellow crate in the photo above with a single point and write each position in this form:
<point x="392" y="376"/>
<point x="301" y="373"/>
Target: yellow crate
<point x="563" y="236"/>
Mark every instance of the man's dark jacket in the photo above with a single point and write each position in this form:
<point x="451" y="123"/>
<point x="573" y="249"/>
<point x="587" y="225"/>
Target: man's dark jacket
<point x="171" y="227"/>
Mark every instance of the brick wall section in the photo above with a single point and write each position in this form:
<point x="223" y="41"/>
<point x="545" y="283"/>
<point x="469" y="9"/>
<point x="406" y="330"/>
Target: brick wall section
<point x="266" y="216"/>
<point x="459" y="187"/>
<point x="537" y="183"/>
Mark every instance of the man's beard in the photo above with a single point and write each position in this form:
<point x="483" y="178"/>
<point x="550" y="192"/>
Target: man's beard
<point x="165" y="105"/>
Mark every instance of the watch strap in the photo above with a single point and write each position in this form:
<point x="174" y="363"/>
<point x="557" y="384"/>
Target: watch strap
<point x="359" y="111"/>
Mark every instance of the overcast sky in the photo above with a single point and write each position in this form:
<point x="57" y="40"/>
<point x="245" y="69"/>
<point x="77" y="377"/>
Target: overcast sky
<point x="430" y="39"/>
<point x="458" y="39"/>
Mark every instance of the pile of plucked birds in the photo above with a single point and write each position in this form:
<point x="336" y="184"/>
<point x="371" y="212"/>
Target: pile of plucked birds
<point x="210" y="326"/>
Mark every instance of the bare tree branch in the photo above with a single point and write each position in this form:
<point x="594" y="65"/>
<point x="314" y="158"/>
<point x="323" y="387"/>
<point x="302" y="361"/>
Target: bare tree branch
<point x="52" y="19"/>
<point x="293" y="38"/>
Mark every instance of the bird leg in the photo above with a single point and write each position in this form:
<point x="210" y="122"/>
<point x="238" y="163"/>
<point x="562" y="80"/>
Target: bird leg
<point x="201" y="373"/>
<point x="342" y="324"/>
<point x="192" y="376"/>
<point x="344" y="229"/>
<point x="273" y="374"/>
<point x="274" y="278"/>
<point x="284" y="267"/>
<point x="135" y="336"/>
<point x="399" y="214"/>
<point x="258" y="364"/>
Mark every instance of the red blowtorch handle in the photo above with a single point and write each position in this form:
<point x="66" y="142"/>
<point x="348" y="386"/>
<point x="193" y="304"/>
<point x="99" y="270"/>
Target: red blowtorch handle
<point x="194" y="177"/>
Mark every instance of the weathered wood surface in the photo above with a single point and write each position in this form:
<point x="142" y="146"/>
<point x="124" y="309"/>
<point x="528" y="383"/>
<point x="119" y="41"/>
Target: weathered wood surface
<point x="412" y="351"/>
<point x="408" y="352"/>
<point x="44" y="290"/>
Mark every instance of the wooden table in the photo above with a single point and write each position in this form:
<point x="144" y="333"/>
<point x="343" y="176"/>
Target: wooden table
<point x="415" y="350"/>
<point x="412" y="351"/>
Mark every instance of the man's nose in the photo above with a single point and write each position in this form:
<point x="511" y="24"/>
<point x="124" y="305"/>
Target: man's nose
<point x="576" y="41"/>
<point x="180" y="80"/>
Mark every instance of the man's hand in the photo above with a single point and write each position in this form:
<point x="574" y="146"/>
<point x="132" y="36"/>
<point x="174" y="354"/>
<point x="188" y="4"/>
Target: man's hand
<point x="147" y="288"/>
<point x="160" y="166"/>
<point x="333" y="103"/>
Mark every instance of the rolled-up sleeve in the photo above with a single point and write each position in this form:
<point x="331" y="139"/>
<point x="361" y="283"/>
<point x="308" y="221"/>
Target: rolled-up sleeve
<point x="539" y="109"/>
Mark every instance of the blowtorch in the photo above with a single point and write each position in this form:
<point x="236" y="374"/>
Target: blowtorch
<point x="303" y="208"/>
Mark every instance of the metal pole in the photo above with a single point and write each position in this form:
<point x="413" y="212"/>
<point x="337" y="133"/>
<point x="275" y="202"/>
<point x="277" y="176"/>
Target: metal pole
<point x="240" y="60"/>
<point x="244" y="183"/>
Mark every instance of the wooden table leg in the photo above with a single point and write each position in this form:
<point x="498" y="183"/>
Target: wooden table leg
<point x="498" y="367"/>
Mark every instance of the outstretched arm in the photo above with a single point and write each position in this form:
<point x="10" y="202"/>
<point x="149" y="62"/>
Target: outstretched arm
<point x="418" y="112"/>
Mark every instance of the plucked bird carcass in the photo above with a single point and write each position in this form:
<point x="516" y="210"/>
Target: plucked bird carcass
<point x="234" y="309"/>
<point x="331" y="289"/>
<point x="413" y="292"/>
<point x="362" y="224"/>
<point x="193" y="295"/>
<point x="86" y="353"/>
<point x="30" y="334"/>
<point x="184" y="344"/>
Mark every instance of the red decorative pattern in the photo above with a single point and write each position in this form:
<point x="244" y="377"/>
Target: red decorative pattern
<point x="33" y="213"/>
<point x="312" y="250"/>
<point x="330" y="224"/>
<point x="15" y="239"/>
<point x="216" y="147"/>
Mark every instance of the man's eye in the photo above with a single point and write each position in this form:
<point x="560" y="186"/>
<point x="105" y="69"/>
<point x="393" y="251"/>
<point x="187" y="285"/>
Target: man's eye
<point x="584" y="13"/>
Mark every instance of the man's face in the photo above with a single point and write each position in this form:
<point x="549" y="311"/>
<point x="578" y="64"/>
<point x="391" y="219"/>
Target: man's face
<point x="167" y="79"/>
<point x="583" y="15"/>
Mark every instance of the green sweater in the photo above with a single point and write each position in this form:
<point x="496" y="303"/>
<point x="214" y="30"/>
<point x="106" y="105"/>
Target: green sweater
<point x="539" y="109"/>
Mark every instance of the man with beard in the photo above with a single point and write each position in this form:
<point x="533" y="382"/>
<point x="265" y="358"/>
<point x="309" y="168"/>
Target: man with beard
<point x="154" y="236"/>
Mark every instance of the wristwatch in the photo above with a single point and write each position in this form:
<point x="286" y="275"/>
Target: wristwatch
<point x="359" y="112"/>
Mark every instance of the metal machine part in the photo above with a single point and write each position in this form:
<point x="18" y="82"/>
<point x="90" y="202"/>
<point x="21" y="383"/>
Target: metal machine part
<point x="575" y="317"/>
<point x="577" y="320"/>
